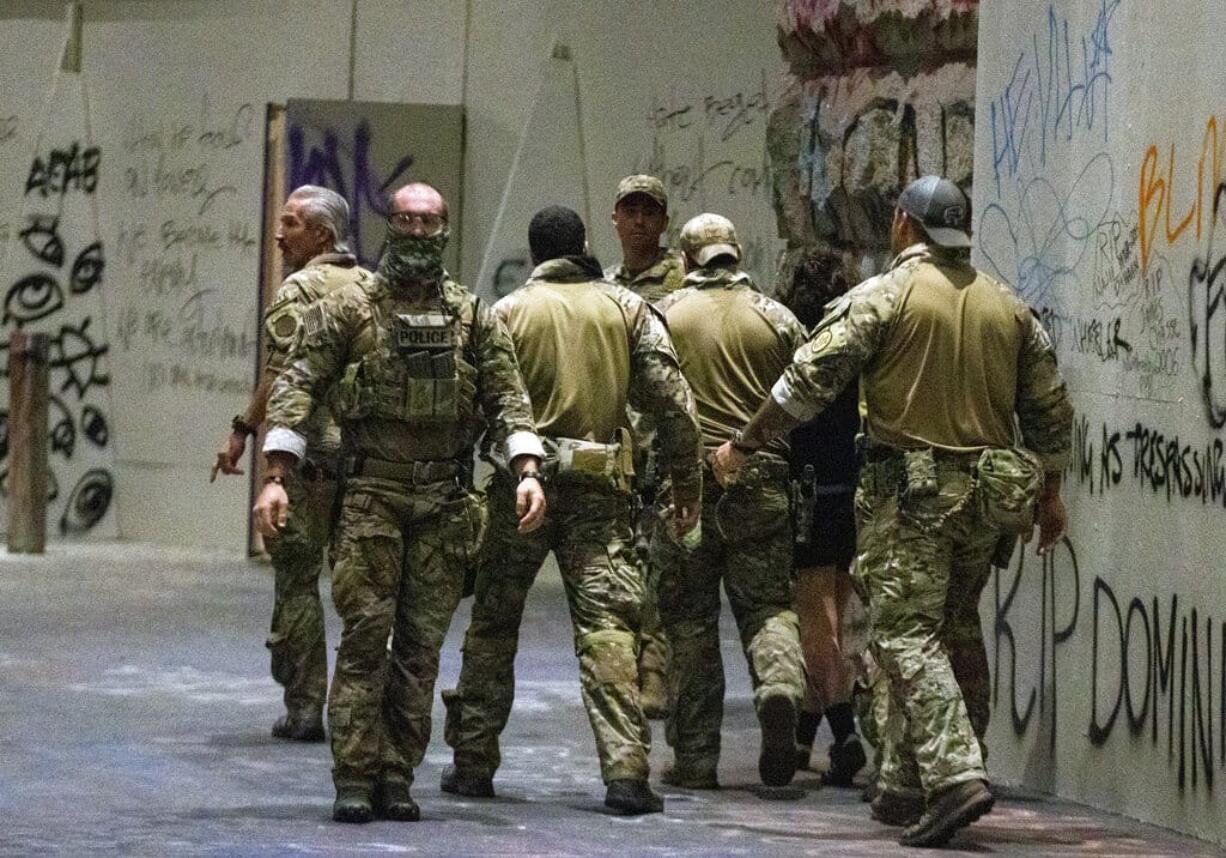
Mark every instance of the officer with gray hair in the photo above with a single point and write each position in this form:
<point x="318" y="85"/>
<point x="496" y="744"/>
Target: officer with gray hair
<point x="312" y="233"/>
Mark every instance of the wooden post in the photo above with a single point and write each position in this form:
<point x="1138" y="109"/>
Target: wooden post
<point x="27" y="429"/>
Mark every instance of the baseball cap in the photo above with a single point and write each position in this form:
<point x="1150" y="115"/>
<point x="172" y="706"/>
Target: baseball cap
<point x="642" y="184"/>
<point x="707" y="236"/>
<point x="941" y="208"/>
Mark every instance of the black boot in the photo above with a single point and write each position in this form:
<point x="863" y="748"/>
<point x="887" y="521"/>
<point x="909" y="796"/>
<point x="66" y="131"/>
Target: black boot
<point x="466" y="782"/>
<point x="846" y="760"/>
<point x="353" y="804"/>
<point x="631" y="797"/>
<point x="950" y="809"/>
<point x="777" y="759"/>
<point x="309" y="729"/>
<point x="395" y="802"/>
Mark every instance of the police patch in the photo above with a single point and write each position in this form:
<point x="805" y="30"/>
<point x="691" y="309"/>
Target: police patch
<point x="424" y="332"/>
<point x="284" y="325"/>
<point x="822" y="340"/>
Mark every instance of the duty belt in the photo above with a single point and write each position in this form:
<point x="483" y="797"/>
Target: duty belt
<point x="404" y="472"/>
<point x="319" y="468"/>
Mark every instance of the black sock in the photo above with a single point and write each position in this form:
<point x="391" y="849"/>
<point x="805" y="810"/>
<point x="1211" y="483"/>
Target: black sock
<point x="806" y="727"/>
<point x="842" y="722"/>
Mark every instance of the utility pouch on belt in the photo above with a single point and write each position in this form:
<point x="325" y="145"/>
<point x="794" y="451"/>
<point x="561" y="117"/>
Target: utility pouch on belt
<point x="919" y="474"/>
<point x="1009" y="479"/>
<point x="600" y="462"/>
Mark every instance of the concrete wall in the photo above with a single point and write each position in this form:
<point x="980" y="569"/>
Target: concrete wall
<point x="176" y="94"/>
<point x="1098" y="167"/>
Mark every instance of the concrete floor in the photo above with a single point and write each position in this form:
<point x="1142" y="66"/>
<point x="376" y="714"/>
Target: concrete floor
<point x="134" y="712"/>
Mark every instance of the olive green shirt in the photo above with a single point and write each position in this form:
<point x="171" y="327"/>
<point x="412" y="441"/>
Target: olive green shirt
<point x="733" y="342"/>
<point x="947" y="357"/>
<point x="587" y="348"/>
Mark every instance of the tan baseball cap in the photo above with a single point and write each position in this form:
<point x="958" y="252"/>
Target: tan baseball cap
<point x="707" y="236"/>
<point x="642" y="184"/>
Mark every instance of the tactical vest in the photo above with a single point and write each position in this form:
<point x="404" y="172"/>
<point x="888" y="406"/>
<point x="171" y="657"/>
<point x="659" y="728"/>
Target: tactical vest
<point x="419" y="370"/>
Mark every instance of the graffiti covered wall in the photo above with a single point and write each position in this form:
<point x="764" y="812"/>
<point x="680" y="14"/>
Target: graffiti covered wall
<point x="1099" y="167"/>
<point x="881" y="93"/>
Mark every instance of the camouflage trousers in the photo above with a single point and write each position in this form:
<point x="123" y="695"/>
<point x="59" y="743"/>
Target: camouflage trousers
<point x="400" y="559"/>
<point x="588" y="528"/>
<point x="296" y="641"/>
<point x="654" y="651"/>
<point x="746" y="544"/>
<point x="915" y="560"/>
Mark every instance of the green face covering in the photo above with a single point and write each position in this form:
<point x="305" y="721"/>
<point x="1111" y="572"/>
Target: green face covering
<point x="414" y="258"/>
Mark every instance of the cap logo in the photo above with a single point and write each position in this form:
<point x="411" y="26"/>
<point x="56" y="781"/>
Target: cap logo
<point x="953" y="215"/>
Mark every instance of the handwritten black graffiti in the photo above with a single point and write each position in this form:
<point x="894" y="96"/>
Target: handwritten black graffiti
<point x="88" y="502"/>
<point x="1205" y="303"/>
<point x="1120" y="681"/>
<point x="346" y="170"/>
<point x="42" y="239"/>
<point x="94" y="425"/>
<point x="63" y="170"/>
<point x="73" y="350"/>
<point x="1060" y="578"/>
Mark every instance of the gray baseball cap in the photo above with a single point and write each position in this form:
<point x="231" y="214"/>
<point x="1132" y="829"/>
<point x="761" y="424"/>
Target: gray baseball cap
<point x="941" y="209"/>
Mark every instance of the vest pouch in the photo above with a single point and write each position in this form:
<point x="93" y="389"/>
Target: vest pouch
<point x="350" y="398"/>
<point x="1009" y="480"/>
<point x="919" y="474"/>
<point x="587" y="460"/>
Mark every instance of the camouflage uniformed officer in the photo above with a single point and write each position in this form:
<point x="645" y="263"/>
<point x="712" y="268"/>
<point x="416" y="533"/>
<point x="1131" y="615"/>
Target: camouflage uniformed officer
<point x="948" y="357"/>
<point x="587" y="349"/>
<point x="312" y="234"/>
<point x="733" y="342"/>
<point x="412" y="356"/>
<point x="640" y="217"/>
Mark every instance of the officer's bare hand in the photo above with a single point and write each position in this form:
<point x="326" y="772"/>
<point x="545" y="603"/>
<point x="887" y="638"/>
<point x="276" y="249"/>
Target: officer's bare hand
<point x="726" y="463"/>
<point x="1053" y="522"/>
<point x="228" y="455"/>
<point x="530" y="504"/>
<point x="271" y="509"/>
<point x="685" y="517"/>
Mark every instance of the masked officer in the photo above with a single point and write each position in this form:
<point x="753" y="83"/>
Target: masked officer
<point x="413" y="356"/>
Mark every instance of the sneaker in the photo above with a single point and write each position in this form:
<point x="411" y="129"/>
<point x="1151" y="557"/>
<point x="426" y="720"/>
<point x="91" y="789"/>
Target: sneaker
<point x="353" y="804"/>
<point x="845" y="761"/>
<point x="777" y="759"/>
<point x="893" y="808"/>
<point x="395" y="802"/>
<point x="304" y="730"/>
<point x="950" y="809"/>
<point x="466" y="782"/>
<point x="690" y="778"/>
<point x="632" y="797"/>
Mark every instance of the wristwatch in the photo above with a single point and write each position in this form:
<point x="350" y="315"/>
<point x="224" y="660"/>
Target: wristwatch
<point x="738" y="443"/>
<point x="528" y="473"/>
<point x="274" y="478"/>
<point x="238" y="424"/>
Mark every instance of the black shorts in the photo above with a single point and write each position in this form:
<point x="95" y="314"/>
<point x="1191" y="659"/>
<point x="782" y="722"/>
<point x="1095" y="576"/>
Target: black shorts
<point x="832" y="539"/>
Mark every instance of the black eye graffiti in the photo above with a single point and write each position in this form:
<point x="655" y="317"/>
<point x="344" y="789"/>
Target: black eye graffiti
<point x="42" y="239"/>
<point x="32" y="297"/>
<point x="87" y="269"/>
<point x="88" y="503"/>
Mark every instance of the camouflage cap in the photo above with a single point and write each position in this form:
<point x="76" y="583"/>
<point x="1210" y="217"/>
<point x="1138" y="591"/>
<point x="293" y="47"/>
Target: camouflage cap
<point x="642" y="184"/>
<point x="707" y="236"/>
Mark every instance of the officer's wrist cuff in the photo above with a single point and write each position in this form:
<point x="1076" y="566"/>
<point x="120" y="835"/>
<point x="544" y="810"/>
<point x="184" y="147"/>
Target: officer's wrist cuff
<point x="524" y="444"/>
<point x="282" y="440"/>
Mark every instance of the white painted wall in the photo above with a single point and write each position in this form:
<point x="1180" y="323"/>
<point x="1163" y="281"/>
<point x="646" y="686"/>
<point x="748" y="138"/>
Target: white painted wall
<point x="162" y="72"/>
<point x="1100" y="143"/>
